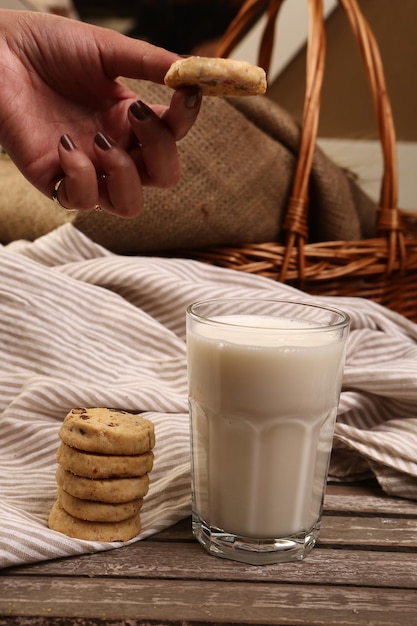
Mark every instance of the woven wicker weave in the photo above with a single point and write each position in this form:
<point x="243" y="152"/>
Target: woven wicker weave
<point x="383" y="269"/>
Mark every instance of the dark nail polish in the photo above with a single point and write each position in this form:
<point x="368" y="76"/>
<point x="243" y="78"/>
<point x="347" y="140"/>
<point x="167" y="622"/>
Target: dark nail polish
<point x="67" y="143"/>
<point x="140" y="111"/>
<point x="193" y="99"/>
<point x="103" y="141"/>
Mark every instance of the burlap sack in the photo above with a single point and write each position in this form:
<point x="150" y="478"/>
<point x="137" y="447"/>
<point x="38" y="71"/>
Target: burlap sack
<point x="237" y="167"/>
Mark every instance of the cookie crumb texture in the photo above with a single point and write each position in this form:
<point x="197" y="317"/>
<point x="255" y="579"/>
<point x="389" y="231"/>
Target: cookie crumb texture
<point x="217" y="76"/>
<point x="96" y="465"/>
<point x="91" y="511"/>
<point x="77" y="528"/>
<point x="110" y="490"/>
<point x="107" y="431"/>
<point x="104" y="460"/>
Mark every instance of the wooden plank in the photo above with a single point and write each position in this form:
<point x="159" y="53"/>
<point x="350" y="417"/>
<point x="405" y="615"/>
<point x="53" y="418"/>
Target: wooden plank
<point x="181" y="531"/>
<point x="382" y="532"/>
<point x="167" y="602"/>
<point x="366" y="498"/>
<point x="364" y="487"/>
<point x="369" y="505"/>
<point x="389" y="530"/>
<point x="191" y="562"/>
<point x="343" y="530"/>
<point x="355" y="498"/>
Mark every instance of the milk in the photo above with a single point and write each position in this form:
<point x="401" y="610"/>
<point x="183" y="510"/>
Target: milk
<point x="263" y="400"/>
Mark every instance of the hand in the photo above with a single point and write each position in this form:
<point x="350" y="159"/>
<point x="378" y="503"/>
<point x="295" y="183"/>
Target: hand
<point x="64" y="114"/>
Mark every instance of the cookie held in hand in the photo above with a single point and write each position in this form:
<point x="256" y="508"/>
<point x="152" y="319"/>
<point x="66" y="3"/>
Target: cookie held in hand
<point x="217" y="76"/>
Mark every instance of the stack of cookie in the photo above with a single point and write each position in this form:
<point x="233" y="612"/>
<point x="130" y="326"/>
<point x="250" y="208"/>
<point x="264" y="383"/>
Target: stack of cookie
<point x="104" y="460"/>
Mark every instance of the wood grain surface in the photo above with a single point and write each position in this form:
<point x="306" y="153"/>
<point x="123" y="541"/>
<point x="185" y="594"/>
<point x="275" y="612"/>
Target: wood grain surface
<point x="362" y="572"/>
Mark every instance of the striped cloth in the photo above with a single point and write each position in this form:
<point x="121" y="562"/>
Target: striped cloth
<point x="82" y="326"/>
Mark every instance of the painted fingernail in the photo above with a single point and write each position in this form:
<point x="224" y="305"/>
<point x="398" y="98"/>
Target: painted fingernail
<point x="193" y="99"/>
<point x="140" y="111"/>
<point x="103" y="142"/>
<point x="67" y="143"/>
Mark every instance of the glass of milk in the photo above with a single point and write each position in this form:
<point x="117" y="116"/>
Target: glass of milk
<point x="264" y="384"/>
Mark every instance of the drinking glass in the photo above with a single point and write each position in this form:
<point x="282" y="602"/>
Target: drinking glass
<point x="264" y="385"/>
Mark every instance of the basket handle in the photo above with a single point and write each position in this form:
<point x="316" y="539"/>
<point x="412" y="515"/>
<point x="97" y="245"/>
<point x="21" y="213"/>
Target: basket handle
<point x="295" y="222"/>
<point x="250" y="13"/>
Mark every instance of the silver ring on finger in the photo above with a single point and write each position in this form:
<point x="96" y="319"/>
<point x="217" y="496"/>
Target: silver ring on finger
<point x="55" y="192"/>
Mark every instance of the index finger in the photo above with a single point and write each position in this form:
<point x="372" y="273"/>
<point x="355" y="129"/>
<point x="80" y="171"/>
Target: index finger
<point x="132" y="58"/>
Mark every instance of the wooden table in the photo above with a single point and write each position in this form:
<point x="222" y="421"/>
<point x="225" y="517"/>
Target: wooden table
<point x="363" y="571"/>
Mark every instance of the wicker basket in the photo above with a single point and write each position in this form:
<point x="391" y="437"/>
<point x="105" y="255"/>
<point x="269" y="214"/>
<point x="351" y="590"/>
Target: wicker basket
<point x="384" y="268"/>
